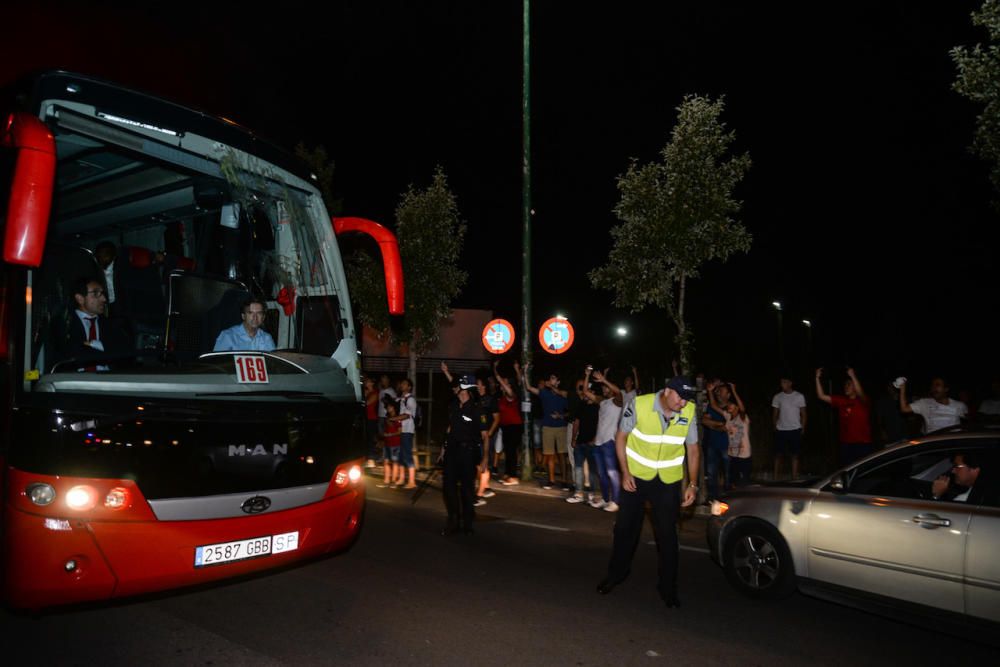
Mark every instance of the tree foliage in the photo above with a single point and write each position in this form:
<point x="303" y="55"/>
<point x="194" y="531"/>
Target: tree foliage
<point x="675" y="215"/>
<point x="430" y="233"/>
<point x="322" y="167"/>
<point x="979" y="80"/>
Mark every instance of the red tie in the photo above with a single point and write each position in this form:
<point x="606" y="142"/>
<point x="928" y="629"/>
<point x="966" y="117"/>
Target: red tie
<point x="91" y="336"/>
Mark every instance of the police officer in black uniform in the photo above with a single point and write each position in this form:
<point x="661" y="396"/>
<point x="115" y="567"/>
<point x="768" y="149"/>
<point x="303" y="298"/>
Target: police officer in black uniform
<point x="464" y="456"/>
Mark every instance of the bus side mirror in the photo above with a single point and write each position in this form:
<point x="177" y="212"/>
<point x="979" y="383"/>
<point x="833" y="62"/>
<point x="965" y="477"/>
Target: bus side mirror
<point x="392" y="265"/>
<point x="31" y="188"/>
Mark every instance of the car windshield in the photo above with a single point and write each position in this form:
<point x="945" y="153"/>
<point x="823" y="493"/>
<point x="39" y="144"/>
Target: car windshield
<point x="165" y="248"/>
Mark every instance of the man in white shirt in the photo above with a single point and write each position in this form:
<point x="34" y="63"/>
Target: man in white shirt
<point x="630" y="387"/>
<point x="408" y="427"/>
<point x="789" y="418"/>
<point x="966" y="473"/>
<point x="939" y="411"/>
<point x="990" y="407"/>
<point x="105" y="254"/>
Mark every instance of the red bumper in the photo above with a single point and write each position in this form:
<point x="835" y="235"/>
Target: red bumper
<point x="117" y="559"/>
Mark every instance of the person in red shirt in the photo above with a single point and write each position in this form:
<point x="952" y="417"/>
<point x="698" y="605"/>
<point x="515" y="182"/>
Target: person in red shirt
<point x="854" y="409"/>
<point x="371" y="415"/>
<point x="394" y="471"/>
<point x="511" y="425"/>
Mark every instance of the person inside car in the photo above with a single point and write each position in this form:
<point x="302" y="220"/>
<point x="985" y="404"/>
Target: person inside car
<point x="965" y="471"/>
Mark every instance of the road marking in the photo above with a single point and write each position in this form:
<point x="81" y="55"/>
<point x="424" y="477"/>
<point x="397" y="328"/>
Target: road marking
<point x="543" y="526"/>
<point x="379" y="500"/>
<point x="684" y="547"/>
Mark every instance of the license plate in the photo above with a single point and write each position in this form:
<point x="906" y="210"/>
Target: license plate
<point x="251" y="369"/>
<point x="255" y="547"/>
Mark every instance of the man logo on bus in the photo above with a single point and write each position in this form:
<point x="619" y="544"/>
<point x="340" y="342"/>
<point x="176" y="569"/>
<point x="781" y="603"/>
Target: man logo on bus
<point x="243" y="450"/>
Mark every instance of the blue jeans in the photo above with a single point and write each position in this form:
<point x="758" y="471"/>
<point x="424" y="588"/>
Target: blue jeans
<point x="406" y="450"/>
<point x="716" y="461"/>
<point x="739" y="471"/>
<point x="584" y="452"/>
<point x="607" y="471"/>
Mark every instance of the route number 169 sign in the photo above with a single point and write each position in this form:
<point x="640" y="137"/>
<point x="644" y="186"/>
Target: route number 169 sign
<point x="250" y="369"/>
<point x="556" y="335"/>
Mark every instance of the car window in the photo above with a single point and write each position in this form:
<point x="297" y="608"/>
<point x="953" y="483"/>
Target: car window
<point x="902" y="477"/>
<point x="910" y="474"/>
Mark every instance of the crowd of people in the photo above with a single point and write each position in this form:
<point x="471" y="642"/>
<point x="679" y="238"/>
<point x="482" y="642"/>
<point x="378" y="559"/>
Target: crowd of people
<point x="572" y="427"/>
<point x="611" y="449"/>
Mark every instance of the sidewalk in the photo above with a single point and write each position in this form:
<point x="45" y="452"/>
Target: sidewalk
<point x="530" y="488"/>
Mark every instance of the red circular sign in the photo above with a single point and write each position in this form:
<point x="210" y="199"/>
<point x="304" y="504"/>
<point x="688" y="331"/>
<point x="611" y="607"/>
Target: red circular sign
<point x="556" y="335"/>
<point x="498" y="336"/>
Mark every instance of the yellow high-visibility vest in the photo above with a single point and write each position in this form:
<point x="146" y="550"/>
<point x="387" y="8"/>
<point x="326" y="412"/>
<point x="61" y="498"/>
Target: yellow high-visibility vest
<point x="653" y="451"/>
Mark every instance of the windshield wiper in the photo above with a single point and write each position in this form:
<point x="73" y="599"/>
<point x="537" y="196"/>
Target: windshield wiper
<point x="284" y="393"/>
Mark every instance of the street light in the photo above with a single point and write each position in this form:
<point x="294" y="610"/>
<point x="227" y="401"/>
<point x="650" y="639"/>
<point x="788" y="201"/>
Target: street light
<point x="781" y="341"/>
<point x="560" y="316"/>
<point x="807" y="323"/>
<point x="622" y="331"/>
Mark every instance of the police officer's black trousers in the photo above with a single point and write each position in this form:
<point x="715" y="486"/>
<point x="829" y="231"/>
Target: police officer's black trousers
<point x="460" y="461"/>
<point x="665" y="502"/>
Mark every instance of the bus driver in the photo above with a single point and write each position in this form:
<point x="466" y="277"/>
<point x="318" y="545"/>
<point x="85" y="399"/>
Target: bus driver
<point x="248" y="335"/>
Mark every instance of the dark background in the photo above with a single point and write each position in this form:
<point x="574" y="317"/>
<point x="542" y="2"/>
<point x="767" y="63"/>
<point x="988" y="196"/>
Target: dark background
<point x="869" y="215"/>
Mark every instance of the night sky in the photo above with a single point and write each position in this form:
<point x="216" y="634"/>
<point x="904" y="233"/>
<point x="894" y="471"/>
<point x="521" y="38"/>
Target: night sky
<point x="869" y="215"/>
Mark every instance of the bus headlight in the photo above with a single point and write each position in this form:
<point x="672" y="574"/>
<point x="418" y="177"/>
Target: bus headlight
<point x="81" y="498"/>
<point x="41" y="494"/>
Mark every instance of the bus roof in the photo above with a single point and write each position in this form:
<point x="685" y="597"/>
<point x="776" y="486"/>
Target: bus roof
<point x="118" y="100"/>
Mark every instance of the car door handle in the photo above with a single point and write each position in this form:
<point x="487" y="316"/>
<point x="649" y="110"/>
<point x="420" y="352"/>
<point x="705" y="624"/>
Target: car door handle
<point x="931" y="521"/>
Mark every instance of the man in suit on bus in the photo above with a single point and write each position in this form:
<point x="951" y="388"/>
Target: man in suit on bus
<point x="91" y="334"/>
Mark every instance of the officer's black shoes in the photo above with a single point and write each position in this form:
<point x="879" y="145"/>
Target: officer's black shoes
<point x="606" y="587"/>
<point x="670" y="599"/>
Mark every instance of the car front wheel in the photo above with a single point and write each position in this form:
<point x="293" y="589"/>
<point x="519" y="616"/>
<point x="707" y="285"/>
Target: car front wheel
<point x="757" y="561"/>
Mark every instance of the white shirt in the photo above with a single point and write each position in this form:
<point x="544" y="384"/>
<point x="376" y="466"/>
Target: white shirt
<point x="789" y="418"/>
<point x="739" y="436"/>
<point x="629" y="396"/>
<point x="939" y="415"/>
<point x="88" y="320"/>
<point x="608" y="416"/>
<point x="991" y="406"/>
<point x="109" y="280"/>
<point x="388" y="391"/>
<point x="408" y="406"/>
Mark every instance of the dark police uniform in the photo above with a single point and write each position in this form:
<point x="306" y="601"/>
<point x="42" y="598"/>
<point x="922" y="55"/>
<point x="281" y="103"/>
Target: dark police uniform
<point x="467" y="426"/>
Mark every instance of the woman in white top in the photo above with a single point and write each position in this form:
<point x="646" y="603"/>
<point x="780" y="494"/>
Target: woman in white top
<point x="608" y="417"/>
<point x="738" y="428"/>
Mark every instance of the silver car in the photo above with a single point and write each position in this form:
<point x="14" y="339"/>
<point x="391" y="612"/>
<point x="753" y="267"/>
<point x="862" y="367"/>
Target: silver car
<point x="874" y="534"/>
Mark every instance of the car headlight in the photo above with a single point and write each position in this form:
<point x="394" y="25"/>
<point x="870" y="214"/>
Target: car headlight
<point x="719" y="508"/>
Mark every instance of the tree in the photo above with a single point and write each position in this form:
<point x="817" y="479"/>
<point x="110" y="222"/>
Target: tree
<point x="979" y="80"/>
<point x="322" y="167"/>
<point x="675" y="215"/>
<point x="430" y="234"/>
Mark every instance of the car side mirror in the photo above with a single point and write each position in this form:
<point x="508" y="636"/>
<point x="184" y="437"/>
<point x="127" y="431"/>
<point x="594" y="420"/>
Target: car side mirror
<point x="839" y="483"/>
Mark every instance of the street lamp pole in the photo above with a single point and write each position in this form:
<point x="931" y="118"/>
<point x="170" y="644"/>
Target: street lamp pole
<point x="781" y="336"/>
<point x="526" y="337"/>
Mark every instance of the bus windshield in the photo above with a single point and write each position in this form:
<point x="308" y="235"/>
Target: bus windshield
<point x="165" y="246"/>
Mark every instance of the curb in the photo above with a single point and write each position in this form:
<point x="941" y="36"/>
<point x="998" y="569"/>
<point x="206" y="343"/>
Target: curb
<point x="532" y="488"/>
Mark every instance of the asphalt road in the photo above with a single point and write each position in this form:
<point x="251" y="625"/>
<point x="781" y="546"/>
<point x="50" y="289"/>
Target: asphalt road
<point x="520" y="591"/>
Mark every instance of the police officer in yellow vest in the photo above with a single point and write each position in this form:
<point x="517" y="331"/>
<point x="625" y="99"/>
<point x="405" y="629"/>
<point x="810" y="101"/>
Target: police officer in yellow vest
<point x="658" y="433"/>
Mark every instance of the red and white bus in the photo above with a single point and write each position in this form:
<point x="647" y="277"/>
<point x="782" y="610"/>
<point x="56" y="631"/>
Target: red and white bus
<point x="162" y="463"/>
